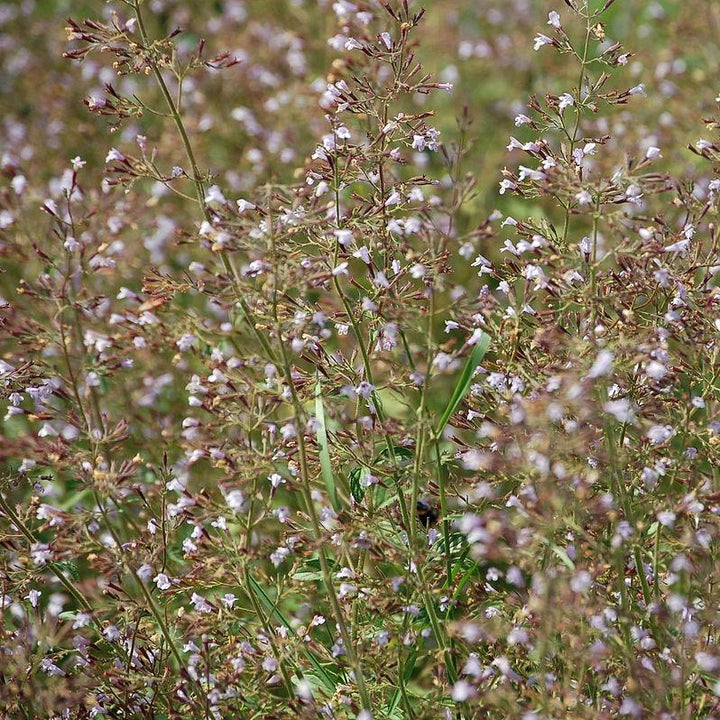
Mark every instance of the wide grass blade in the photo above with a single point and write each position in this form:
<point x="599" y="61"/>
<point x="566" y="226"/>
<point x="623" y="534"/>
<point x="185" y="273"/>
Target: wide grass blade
<point x="462" y="386"/>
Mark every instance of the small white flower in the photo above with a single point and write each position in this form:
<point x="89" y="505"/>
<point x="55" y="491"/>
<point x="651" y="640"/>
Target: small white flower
<point x="71" y="244"/>
<point x="47" y="430"/>
<point x="581" y="582"/>
<point x="214" y="195"/>
<point x="365" y="389"/>
<point x="82" y="619"/>
<point x="162" y="581"/>
<point x="476" y="336"/>
<point x="33" y="596"/>
<point x="506" y="185"/>
<point x="228" y="600"/>
<point x="344" y="237"/>
<point x="114" y="154"/>
<point x="526" y="173"/>
<point x="111" y="633"/>
<point x="393" y="199"/>
<point x="707" y="662"/>
<point x="40" y="553"/>
<point x="50" y="668"/>
<point x="622" y="410"/>
<point x="187" y="342"/>
<point x="276" y="480"/>
<point x="418" y="271"/>
<point x="19" y="183"/>
<point x="144" y="572"/>
<point x="235" y="500"/>
<point x="565" y="101"/>
<point x="655" y="370"/>
<point x="541" y="40"/>
<point x="200" y="604"/>
<point x="462" y="691"/>
<point x="244" y="205"/>
<point x="476" y="460"/>
<point x="603" y="364"/>
<point x="278" y="556"/>
<point x="659" y="434"/>
<point x="681" y="247"/>
<point x="303" y="687"/>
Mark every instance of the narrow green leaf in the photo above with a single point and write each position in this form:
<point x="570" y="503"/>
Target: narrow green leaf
<point x="407" y="675"/>
<point x="329" y="681"/>
<point x="564" y="557"/>
<point x="464" y="381"/>
<point x="322" y="441"/>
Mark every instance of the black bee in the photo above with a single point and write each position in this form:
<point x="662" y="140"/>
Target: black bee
<point x="426" y="513"/>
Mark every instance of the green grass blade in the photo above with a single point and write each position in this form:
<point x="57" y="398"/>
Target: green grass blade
<point x="323" y="447"/>
<point x="328" y="680"/>
<point x="408" y="669"/>
<point x="464" y="381"/>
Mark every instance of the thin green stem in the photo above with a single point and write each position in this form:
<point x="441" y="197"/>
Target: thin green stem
<point x="59" y="574"/>
<point x="578" y="111"/>
<point x="443" y="512"/>
<point x="161" y="624"/>
<point x="198" y="183"/>
<point x="306" y="490"/>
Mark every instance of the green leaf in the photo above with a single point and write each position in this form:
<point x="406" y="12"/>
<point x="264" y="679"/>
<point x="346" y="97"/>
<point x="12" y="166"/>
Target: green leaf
<point x="323" y="448"/>
<point x="458" y="544"/>
<point x="402" y="454"/>
<point x="69" y="568"/>
<point x="403" y="458"/>
<point x="312" y="570"/>
<point x="407" y="675"/>
<point x="564" y="557"/>
<point x="357" y="474"/>
<point x="309" y="571"/>
<point x="464" y="381"/>
<point x="327" y="677"/>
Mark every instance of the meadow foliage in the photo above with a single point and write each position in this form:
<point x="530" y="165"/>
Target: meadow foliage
<point x="359" y="359"/>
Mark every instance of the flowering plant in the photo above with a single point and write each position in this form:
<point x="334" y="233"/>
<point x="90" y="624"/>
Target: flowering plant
<point x="305" y="434"/>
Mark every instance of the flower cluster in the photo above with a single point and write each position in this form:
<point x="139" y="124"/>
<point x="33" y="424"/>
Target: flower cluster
<point x="298" y="423"/>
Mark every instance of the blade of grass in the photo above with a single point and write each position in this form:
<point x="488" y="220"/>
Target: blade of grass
<point x="462" y="386"/>
<point x="406" y="671"/>
<point x="323" y="447"/>
<point x="326" y="678"/>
